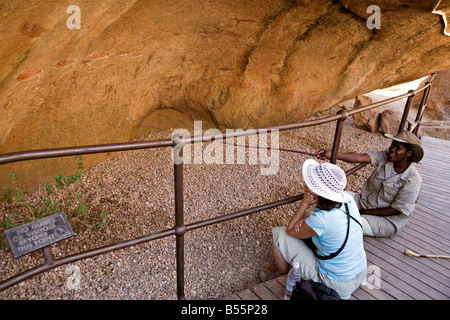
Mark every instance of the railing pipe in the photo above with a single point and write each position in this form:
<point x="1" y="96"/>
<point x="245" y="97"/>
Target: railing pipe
<point x="73" y="151"/>
<point x="422" y="106"/>
<point x="378" y="104"/>
<point x="180" y="228"/>
<point x="355" y="168"/>
<point x="338" y="135"/>
<point x="242" y="213"/>
<point x="406" y="110"/>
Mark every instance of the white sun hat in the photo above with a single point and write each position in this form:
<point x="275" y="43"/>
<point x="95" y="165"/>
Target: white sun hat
<point x="326" y="180"/>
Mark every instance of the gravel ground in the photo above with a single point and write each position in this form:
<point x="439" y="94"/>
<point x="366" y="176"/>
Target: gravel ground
<point x="132" y="194"/>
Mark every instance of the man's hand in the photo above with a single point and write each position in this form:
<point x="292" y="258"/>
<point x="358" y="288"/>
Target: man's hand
<point x="323" y="154"/>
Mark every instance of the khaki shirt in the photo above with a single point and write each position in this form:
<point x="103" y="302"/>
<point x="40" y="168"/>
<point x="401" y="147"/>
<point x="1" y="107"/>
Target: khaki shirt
<point x="399" y="192"/>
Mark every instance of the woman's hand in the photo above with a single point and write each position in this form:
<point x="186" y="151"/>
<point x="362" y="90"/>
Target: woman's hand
<point x="298" y="225"/>
<point x="309" y="197"/>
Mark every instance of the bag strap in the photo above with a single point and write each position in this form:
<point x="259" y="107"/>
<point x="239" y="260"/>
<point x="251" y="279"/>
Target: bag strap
<point x="331" y="256"/>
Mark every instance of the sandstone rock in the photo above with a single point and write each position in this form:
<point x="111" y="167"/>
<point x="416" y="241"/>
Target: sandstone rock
<point x="229" y="63"/>
<point x="389" y="122"/>
<point x="438" y="104"/>
<point x="368" y="120"/>
<point x="436" y="129"/>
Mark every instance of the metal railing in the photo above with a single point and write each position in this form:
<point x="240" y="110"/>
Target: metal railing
<point x="180" y="228"/>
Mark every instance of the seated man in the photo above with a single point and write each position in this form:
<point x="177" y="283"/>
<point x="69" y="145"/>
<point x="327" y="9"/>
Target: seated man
<point x="388" y="197"/>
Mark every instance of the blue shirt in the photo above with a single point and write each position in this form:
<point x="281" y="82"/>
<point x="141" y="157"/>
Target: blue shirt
<point x="331" y="228"/>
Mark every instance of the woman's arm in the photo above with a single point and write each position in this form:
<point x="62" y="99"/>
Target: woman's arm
<point x="302" y="230"/>
<point x="296" y="227"/>
<point x="353" y="157"/>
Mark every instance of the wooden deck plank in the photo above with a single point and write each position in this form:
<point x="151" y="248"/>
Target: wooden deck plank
<point x="428" y="231"/>
<point x="432" y="166"/>
<point x="436" y="194"/>
<point x="436" y="246"/>
<point x="263" y="292"/>
<point x="436" y="265"/>
<point x="421" y="289"/>
<point x="390" y="286"/>
<point x="282" y="279"/>
<point x="276" y="288"/>
<point x="429" y="201"/>
<point x="232" y="297"/>
<point x="437" y="229"/>
<point x="421" y="265"/>
<point x="362" y="294"/>
<point x="430" y="216"/>
<point x="392" y="280"/>
<point x="247" y="295"/>
<point x="435" y="141"/>
<point x="404" y="277"/>
<point x="365" y="293"/>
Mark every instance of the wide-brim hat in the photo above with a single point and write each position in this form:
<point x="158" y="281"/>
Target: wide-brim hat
<point x="326" y="180"/>
<point x="410" y="139"/>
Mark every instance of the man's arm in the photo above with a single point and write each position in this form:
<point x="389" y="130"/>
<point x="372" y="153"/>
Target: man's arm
<point x="352" y="157"/>
<point x="382" y="212"/>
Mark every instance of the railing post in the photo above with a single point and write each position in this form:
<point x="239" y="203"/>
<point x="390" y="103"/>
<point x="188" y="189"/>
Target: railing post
<point x="406" y="110"/>
<point x="180" y="228"/>
<point x="338" y="135"/>
<point x="423" y="104"/>
<point x="48" y="255"/>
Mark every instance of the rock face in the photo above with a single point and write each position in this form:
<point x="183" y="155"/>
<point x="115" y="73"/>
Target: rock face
<point x="438" y="103"/>
<point x="387" y="117"/>
<point x="166" y="63"/>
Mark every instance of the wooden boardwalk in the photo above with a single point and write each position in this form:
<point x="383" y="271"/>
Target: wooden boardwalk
<point x="402" y="277"/>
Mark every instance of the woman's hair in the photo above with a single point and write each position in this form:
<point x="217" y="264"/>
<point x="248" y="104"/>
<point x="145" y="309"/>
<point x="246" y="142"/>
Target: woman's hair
<point x="409" y="148"/>
<point x="327" y="205"/>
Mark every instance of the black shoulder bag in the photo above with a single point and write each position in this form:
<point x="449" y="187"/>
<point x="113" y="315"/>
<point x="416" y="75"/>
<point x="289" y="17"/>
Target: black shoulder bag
<point x="311" y="290"/>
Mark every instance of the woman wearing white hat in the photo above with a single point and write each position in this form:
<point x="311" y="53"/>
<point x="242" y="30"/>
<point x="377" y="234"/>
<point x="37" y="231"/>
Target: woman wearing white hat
<point x="339" y="260"/>
<point x="388" y="197"/>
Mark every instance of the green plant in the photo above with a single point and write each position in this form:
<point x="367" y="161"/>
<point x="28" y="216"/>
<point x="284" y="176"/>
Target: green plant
<point x="103" y="216"/>
<point x="82" y="210"/>
<point x="50" y="205"/>
<point x="8" y="195"/>
<point x="49" y="188"/>
<point x="19" y="195"/>
<point x="9" y="223"/>
<point x="65" y="181"/>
